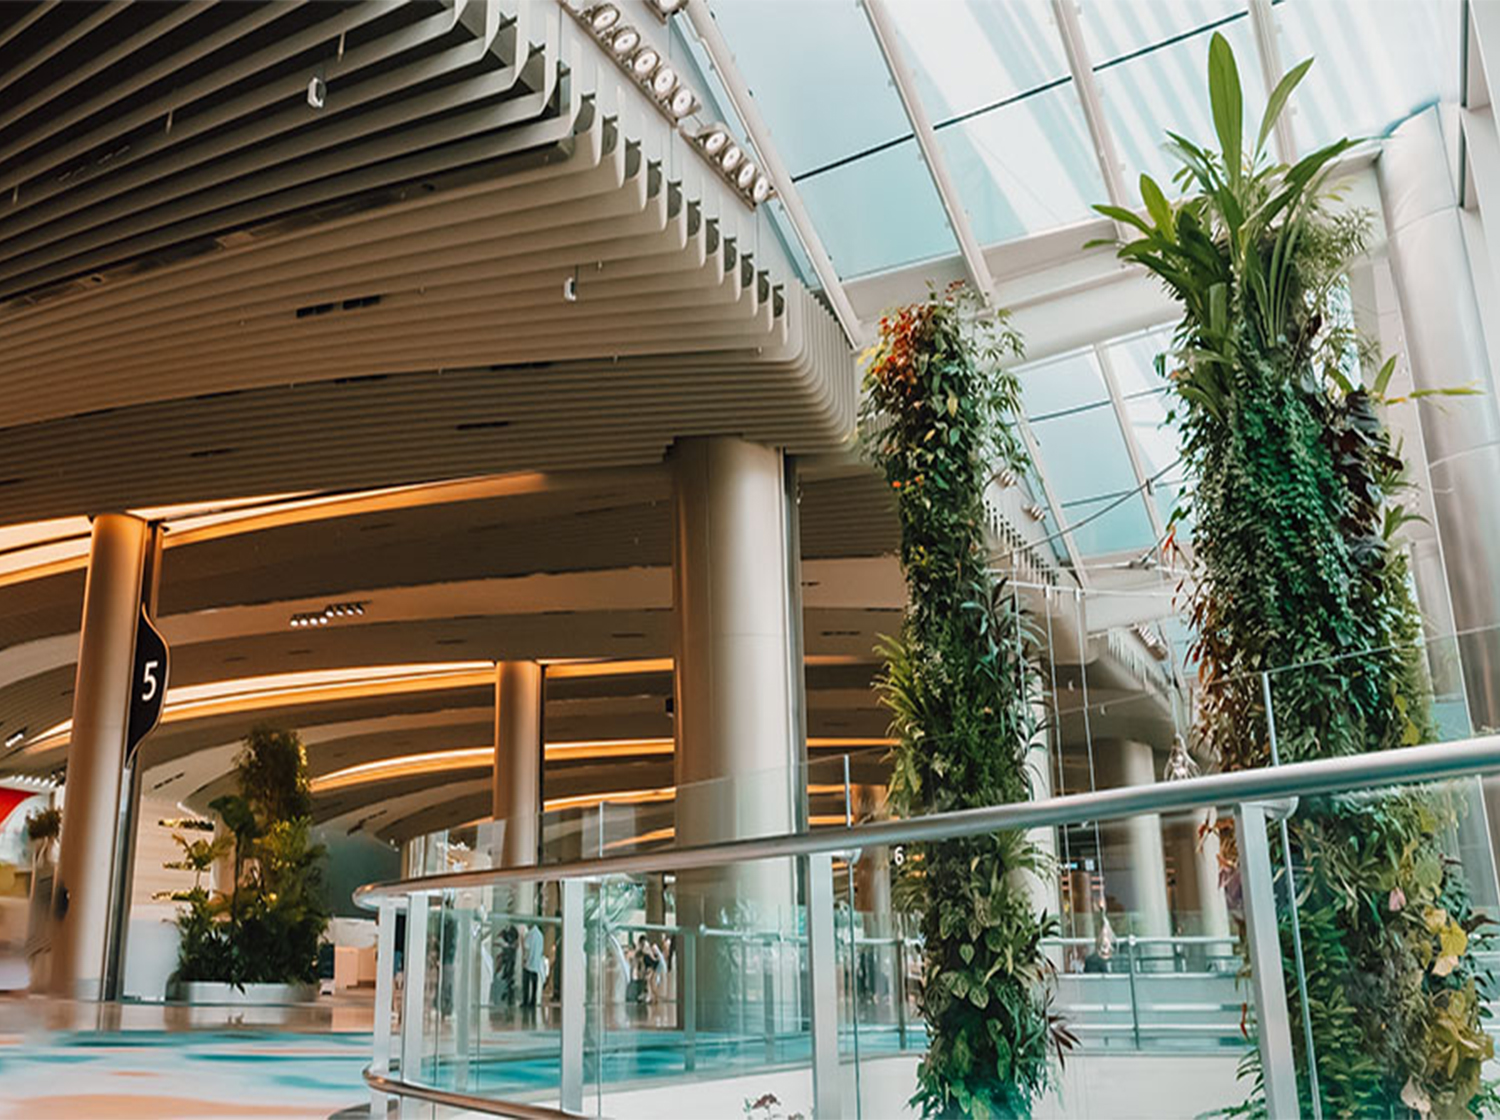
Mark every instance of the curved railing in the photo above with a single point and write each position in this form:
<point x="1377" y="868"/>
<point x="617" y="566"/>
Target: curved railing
<point x="584" y="942"/>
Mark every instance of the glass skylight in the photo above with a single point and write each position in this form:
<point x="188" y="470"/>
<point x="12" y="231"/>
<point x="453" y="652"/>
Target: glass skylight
<point x="994" y="80"/>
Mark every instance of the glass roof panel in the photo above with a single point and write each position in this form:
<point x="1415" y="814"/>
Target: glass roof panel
<point x="1026" y="166"/>
<point x="1167" y="88"/>
<point x="1084" y="455"/>
<point x="817" y="76"/>
<point x="1112" y="30"/>
<point x="1402" y="59"/>
<point x="1133" y="361"/>
<point x="1101" y="526"/>
<point x="1062" y="384"/>
<point x="969" y="55"/>
<point x="878" y="212"/>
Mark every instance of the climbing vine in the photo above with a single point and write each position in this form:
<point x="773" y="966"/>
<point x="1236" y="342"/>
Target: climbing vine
<point x="937" y="420"/>
<point x="1297" y="562"/>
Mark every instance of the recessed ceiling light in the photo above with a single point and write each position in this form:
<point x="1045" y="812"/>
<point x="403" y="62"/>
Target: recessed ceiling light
<point x="715" y="140"/>
<point x="762" y="189"/>
<point x="602" y="18"/>
<point x="683" y="102"/>
<point x="645" y="61"/>
<point x="731" y="157"/>
<point x="746" y="177"/>
<point x="625" y="40"/>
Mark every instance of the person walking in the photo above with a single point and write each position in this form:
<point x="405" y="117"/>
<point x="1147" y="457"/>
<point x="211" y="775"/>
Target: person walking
<point x="534" y="965"/>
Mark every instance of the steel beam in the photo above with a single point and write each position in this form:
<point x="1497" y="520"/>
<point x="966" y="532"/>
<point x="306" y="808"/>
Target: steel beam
<point x="937" y="166"/>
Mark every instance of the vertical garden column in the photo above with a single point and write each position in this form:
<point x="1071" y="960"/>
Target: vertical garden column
<point x="96" y="754"/>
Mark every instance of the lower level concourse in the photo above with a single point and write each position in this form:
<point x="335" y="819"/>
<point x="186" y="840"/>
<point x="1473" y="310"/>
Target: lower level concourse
<point x="679" y="559"/>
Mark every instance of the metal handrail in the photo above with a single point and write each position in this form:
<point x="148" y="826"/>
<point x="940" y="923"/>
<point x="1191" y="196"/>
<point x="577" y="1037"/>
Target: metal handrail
<point x="1297" y="779"/>
<point x="516" y="1110"/>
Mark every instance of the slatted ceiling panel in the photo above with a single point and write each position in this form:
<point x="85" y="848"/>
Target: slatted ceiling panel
<point x="39" y="608"/>
<point x="369" y="432"/>
<point x="239" y="141"/>
<point x="464" y="277"/>
<point x="852" y="515"/>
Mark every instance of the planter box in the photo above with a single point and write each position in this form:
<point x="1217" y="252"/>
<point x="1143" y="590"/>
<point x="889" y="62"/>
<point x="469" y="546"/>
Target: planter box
<point x="253" y="995"/>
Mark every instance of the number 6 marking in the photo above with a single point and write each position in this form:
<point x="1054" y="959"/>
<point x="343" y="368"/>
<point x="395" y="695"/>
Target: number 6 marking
<point x="148" y="676"/>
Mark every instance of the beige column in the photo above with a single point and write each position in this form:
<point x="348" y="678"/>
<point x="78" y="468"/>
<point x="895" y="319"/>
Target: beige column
<point x="96" y="755"/>
<point x="518" y="761"/>
<point x="1139" y="879"/>
<point x="736" y="761"/>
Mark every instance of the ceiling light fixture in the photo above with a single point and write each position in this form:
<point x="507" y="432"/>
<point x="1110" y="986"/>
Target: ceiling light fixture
<point x="15" y="737"/>
<point x="331" y="611"/>
<point x="742" y="174"/>
<point x="655" y="77"/>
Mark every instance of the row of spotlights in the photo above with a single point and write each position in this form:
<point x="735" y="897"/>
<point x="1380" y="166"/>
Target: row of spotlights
<point x="327" y="614"/>
<point x="643" y="62"/>
<point x="656" y="77"/>
<point x="733" y="164"/>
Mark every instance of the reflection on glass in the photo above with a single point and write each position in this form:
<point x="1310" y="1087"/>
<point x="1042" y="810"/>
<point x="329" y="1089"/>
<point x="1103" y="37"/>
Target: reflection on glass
<point x="1147" y="94"/>
<point x="1370" y="74"/>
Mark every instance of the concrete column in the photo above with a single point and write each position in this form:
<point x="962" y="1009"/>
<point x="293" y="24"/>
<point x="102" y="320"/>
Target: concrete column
<point x="737" y="752"/>
<point x="96" y="754"/>
<point x="1446" y="346"/>
<point x="1138" y="877"/>
<point x="518" y="760"/>
<point x="735" y="760"/>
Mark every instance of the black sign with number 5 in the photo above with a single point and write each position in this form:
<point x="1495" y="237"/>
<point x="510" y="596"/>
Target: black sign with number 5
<point x="148" y="683"/>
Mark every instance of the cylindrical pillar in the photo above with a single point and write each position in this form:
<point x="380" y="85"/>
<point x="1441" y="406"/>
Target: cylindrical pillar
<point x="96" y="754"/>
<point x="518" y="761"/>
<point x="1445" y="345"/>
<point x="1137" y="876"/>
<point x="736" y="758"/>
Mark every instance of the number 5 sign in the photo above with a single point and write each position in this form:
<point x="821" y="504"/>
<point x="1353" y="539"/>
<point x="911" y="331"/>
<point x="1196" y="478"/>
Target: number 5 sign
<point x="148" y="683"/>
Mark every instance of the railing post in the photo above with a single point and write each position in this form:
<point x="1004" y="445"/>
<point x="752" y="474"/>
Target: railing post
<point x="1263" y="945"/>
<point x="900" y="989"/>
<point x="768" y="998"/>
<point x="385" y="983"/>
<point x="1135" y="1007"/>
<point x="414" y="991"/>
<point x="687" y="977"/>
<point x="822" y="972"/>
<point x="572" y="982"/>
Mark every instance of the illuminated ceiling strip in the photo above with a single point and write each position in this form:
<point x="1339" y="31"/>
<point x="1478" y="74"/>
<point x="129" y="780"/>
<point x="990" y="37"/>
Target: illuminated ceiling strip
<point x="193" y="524"/>
<point x="475" y="758"/>
<point x="471" y="758"/>
<point x="833" y="820"/>
<point x="568" y="670"/>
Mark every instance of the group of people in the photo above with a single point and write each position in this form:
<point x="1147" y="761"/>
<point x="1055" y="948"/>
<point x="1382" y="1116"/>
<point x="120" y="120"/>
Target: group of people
<point x="649" y="963"/>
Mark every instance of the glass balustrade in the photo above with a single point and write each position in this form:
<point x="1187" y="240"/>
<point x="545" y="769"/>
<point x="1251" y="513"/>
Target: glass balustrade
<point x="672" y="983"/>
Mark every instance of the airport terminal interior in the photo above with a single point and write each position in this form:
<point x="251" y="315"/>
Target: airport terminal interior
<point x="749" y="558"/>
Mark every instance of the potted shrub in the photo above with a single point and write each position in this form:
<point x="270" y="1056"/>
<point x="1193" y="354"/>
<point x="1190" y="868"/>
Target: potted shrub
<point x="257" y="941"/>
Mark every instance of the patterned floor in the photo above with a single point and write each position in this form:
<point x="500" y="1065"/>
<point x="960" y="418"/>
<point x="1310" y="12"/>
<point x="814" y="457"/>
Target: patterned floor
<point x="230" y="1071"/>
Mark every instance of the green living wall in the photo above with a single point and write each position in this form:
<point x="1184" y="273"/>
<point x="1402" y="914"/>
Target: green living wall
<point x="937" y="420"/>
<point x="1297" y="562"/>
